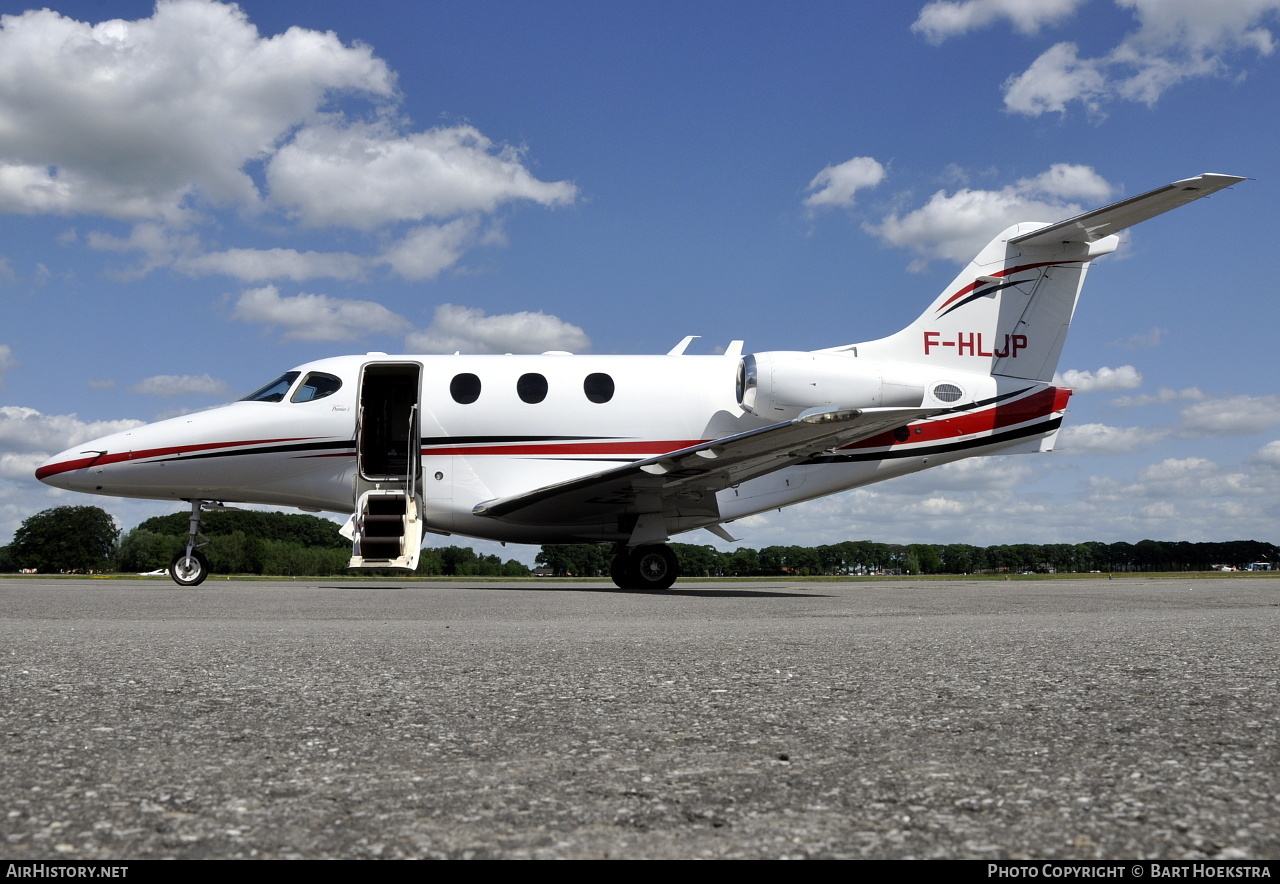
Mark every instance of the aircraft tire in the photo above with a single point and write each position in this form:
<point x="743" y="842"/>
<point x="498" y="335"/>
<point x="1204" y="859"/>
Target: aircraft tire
<point x="189" y="570"/>
<point x="653" y="567"/>
<point x="620" y="571"/>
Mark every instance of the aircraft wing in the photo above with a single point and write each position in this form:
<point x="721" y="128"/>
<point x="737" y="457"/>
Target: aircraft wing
<point x="685" y="481"/>
<point x="1093" y="226"/>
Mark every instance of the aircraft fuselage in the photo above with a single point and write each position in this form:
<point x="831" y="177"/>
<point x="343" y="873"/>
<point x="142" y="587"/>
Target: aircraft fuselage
<point x="493" y="426"/>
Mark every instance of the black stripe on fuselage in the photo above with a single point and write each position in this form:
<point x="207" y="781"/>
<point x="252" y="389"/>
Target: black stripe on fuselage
<point x="508" y="440"/>
<point x="310" y="447"/>
<point x="349" y="446"/>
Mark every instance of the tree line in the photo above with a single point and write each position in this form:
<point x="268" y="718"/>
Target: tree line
<point x="856" y="557"/>
<point x="85" y="538"/>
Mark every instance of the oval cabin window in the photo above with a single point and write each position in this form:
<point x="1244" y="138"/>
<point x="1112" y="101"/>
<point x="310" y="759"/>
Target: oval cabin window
<point x="464" y="388"/>
<point x="598" y="387"/>
<point x="531" y="388"/>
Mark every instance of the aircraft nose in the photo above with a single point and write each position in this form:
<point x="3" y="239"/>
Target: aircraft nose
<point x="68" y="469"/>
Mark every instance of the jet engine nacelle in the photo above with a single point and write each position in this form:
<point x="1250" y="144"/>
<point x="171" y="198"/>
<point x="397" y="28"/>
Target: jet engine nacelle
<point x="781" y="385"/>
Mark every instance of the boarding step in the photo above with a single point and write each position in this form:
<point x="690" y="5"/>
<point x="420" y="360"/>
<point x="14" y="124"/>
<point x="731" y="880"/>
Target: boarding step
<point x="387" y="532"/>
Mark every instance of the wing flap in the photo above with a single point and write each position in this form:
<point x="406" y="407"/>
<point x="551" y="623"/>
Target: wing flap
<point x="1093" y="226"/>
<point x="686" y="480"/>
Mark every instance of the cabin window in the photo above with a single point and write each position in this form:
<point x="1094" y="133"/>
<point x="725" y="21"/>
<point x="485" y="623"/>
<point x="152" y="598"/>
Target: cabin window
<point x="316" y="385"/>
<point x="598" y="387"/>
<point x="464" y="388"/>
<point x="531" y="388"/>
<point x="274" y="391"/>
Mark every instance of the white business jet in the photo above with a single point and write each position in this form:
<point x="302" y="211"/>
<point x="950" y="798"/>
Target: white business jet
<point x="631" y="450"/>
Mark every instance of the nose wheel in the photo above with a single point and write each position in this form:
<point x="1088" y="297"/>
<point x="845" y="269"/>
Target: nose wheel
<point x="189" y="569"/>
<point x="645" y="567"/>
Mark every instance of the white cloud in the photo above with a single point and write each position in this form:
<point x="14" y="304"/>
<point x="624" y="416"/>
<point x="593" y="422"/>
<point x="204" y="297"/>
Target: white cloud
<point x="957" y="225"/>
<point x="1068" y="181"/>
<point x="1161" y="397"/>
<point x="133" y="119"/>
<point x="160" y="246"/>
<point x="253" y="265"/>
<point x="836" y="185"/>
<point x="421" y="253"/>
<point x="1105" y="379"/>
<point x="1175" y="40"/>
<point x="6" y="361"/>
<point x="469" y="330"/>
<point x="166" y="121"/>
<point x="984" y="474"/>
<point x="1102" y="439"/>
<point x="367" y="176"/>
<point x="317" y="317"/>
<point x="169" y="385"/>
<point x="1231" y="416"/>
<point x="1194" y="477"/>
<point x="1147" y="340"/>
<point x="427" y="250"/>
<point x="944" y="18"/>
<point x="1268" y="455"/>
<point x="1058" y="76"/>
<point x="27" y="431"/>
<point x="20" y="466"/>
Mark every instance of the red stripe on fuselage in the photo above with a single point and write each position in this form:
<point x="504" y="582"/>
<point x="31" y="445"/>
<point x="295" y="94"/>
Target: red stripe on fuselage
<point x="1040" y="404"/>
<point x="640" y="448"/>
<point x="67" y="466"/>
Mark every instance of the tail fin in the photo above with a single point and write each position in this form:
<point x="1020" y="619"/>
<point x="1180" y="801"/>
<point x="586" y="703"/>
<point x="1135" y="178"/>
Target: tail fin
<point x="1008" y="312"/>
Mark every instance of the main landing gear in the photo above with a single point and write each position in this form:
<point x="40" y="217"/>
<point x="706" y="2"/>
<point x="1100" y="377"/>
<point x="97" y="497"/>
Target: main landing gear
<point x="645" y="567"/>
<point x="190" y="567"/>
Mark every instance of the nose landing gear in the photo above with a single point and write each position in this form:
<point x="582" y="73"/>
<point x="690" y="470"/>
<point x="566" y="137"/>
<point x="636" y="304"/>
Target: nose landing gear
<point x="190" y="567"/>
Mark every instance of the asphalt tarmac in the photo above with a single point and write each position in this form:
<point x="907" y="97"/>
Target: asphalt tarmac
<point x="1130" y="718"/>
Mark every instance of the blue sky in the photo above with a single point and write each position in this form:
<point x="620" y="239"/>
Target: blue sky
<point x="196" y="196"/>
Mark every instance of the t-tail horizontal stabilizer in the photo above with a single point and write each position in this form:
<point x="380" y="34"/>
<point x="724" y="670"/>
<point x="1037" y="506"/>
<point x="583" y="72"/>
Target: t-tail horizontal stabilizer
<point x="1093" y="226"/>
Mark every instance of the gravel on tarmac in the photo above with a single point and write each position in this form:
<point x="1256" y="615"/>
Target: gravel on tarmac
<point x="1067" y="719"/>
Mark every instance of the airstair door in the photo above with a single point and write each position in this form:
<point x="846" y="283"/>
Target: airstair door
<point x="385" y="528"/>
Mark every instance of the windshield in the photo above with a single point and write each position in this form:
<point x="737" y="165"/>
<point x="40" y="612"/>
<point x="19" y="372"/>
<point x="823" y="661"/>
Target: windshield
<point x="274" y="391"/>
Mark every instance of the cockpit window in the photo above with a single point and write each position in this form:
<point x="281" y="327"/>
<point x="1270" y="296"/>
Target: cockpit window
<point x="274" y="391"/>
<point x="316" y="385"/>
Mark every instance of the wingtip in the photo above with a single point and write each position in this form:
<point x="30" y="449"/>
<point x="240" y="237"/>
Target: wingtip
<point x="1215" y="179"/>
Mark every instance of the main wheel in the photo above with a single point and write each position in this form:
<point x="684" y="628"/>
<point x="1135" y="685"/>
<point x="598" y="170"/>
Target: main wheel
<point x="654" y="567"/>
<point x="620" y="571"/>
<point x="189" y="570"/>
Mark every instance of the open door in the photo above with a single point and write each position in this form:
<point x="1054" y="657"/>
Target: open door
<point x="386" y="526"/>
